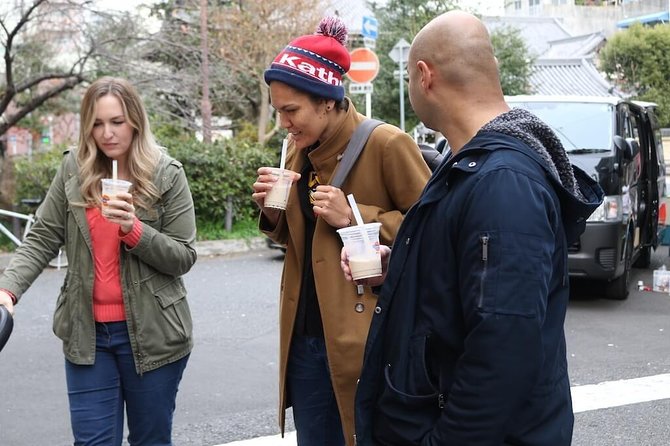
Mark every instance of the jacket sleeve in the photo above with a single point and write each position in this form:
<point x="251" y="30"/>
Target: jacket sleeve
<point x="277" y="233"/>
<point x="45" y="238"/>
<point x="171" y="250"/>
<point x="506" y="248"/>
<point x="405" y="174"/>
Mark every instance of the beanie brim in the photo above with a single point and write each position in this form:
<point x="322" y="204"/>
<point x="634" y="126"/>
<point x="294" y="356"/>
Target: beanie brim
<point x="301" y="83"/>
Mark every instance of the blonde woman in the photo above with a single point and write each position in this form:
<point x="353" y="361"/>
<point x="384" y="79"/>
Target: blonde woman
<point x="122" y="312"/>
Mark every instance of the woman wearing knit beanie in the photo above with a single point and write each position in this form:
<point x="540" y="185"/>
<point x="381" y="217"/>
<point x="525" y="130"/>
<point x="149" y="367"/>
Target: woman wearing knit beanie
<point x="323" y="320"/>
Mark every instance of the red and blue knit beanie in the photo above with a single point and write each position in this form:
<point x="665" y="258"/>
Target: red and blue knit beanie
<point x="315" y="63"/>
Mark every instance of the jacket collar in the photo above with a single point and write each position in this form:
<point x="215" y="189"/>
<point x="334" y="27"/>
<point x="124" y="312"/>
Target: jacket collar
<point x="327" y="154"/>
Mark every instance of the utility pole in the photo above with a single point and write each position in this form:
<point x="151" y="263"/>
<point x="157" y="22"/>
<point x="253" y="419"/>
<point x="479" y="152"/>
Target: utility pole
<point x="206" y="105"/>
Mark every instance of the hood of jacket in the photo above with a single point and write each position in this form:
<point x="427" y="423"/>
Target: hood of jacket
<point x="579" y="194"/>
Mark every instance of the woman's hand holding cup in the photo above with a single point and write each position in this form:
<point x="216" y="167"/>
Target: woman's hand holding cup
<point x="267" y="178"/>
<point x="385" y="253"/>
<point x="119" y="209"/>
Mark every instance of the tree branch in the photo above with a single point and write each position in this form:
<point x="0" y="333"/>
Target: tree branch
<point x="10" y="121"/>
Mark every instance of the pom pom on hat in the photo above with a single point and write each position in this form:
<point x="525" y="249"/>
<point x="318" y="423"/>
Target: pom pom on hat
<point x="314" y="63"/>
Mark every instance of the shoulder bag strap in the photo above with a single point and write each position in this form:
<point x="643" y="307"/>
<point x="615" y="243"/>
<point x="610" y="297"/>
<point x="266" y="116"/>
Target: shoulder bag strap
<point x="358" y="140"/>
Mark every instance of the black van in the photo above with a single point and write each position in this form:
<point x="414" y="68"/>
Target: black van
<point x="619" y="143"/>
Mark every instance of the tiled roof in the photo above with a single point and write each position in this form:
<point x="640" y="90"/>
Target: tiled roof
<point x="537" y="32"/>
<point x="578" y="46"/>
<point x="575" y="76"/>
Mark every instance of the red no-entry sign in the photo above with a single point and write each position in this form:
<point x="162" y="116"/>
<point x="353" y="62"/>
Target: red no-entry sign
<point x="364" y="65"/>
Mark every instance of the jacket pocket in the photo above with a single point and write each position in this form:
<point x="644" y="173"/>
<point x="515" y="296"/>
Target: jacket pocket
<point x="510" y="271"/>
<point x="171" y="298"/>
<point x="404" y="418"/>
<point x="63" y="320"/>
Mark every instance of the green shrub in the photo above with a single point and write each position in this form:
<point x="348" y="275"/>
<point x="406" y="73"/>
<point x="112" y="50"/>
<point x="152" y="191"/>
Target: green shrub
<point x="34" y="175"/>
<point x="224" y="168"/>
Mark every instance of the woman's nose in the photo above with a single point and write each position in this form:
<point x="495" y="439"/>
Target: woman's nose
<point x="107" y="131"/>
<point x="284" y="122"/>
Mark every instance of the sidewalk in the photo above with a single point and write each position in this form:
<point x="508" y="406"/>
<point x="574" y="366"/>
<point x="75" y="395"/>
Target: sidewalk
<point x="209" y="248"/>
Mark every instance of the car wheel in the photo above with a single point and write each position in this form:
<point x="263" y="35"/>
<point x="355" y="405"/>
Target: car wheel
<point x="617" y="289"/>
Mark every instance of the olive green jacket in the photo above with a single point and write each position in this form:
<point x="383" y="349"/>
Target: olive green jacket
<point x="157" y="313"/>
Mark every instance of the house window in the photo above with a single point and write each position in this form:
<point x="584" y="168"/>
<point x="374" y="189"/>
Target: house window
<point x="517" y="5"/>
<point x="534" y="7"/>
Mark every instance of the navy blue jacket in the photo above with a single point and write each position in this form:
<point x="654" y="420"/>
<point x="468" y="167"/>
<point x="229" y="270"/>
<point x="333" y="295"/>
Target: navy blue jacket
<point x="467" y="344"/>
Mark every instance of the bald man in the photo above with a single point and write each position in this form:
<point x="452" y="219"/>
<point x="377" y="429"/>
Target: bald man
<point x="467" y="345"/>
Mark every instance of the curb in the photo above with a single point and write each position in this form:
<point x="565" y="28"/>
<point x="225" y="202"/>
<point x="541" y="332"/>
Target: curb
<point x="208" y="248"/>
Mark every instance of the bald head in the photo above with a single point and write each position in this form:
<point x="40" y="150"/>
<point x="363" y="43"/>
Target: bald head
<point x="454" y="85"/>
<point x="457" y="46"/>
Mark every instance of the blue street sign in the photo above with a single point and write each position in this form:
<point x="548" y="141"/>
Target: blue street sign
<point x="369" y="28"/>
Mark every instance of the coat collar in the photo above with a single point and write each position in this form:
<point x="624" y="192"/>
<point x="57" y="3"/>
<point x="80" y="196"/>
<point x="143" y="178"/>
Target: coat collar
<point x="327" y="154"/>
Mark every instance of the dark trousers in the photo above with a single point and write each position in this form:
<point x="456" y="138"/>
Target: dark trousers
<point x="317" y="420"/>
<point x="98" y="393"/>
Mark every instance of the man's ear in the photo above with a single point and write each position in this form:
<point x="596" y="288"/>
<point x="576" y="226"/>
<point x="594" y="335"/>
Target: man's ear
<point x="426" y="77"/>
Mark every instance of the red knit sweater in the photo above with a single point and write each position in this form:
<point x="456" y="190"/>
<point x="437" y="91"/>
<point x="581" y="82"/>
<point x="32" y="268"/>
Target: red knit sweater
<point x="106" y="238"/>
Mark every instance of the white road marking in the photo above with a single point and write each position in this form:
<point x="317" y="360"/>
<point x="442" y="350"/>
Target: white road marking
<point x="288" y="440"/>
<point x="620" y="393"/>
<point x="584" y="398"/>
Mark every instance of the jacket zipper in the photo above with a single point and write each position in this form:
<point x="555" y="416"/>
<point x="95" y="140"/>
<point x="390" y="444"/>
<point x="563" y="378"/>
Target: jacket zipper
<point x="484" y="239"/>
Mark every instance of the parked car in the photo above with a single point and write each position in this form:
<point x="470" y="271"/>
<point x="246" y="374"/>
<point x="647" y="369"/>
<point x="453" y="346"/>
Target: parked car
<point x="619" y="143"/>
<point x="271" y="244"/>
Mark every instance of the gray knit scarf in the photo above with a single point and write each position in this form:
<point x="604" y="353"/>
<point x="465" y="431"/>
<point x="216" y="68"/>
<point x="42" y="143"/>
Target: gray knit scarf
<point x="527" y="127"/>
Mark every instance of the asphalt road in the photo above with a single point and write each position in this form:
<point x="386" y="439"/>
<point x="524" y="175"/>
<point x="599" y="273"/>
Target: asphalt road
<point x="229" y="388"/>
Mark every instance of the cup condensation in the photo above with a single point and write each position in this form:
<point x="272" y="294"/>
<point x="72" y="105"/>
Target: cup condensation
<point x="277" y="197"/>
<point x="364" y="260"/>
<point x="111" y="188"/>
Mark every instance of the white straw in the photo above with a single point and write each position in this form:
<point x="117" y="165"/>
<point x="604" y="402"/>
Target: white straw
<point x="359" y="222"/>
<point x="282" y="160"/>
<point x="354" y="207"/>
<point x="114" y="169"/>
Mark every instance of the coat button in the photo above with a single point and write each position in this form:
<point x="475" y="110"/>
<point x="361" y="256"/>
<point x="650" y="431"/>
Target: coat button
<point x="378" y="310"/>
<point x="407" y="241"/>
<point x="359" y="307"/>
<point x="472" y="164"/>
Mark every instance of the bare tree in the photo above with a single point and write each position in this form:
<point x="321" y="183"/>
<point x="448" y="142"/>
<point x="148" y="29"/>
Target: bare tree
<point x="249" y="35"/>
<point x="49" y="48"/>
<point x="206" y="106"/>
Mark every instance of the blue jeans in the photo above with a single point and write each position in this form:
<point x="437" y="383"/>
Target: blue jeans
<point x="97" y="394"/>
<point x="317" y="420"/>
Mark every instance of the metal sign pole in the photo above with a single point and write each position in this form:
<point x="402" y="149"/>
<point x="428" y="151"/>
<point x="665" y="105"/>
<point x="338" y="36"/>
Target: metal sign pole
<point x="397" y="54"/>
<point x="368" y="105"/>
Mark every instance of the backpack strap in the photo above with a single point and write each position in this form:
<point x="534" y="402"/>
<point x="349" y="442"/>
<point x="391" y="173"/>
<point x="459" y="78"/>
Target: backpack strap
<point x="358" y="140"/>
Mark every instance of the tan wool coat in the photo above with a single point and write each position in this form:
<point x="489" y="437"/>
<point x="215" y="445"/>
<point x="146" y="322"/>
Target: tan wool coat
<point x="386" y="180"/>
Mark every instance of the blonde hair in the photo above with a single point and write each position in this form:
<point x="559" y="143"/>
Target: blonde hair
<point x="143" y="155"/>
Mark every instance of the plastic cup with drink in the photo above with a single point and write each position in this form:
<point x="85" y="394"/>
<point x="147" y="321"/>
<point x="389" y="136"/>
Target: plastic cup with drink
<point x="277" y="197"/>
<point x="361" y="243"/>
<point x="111" y="187"/>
